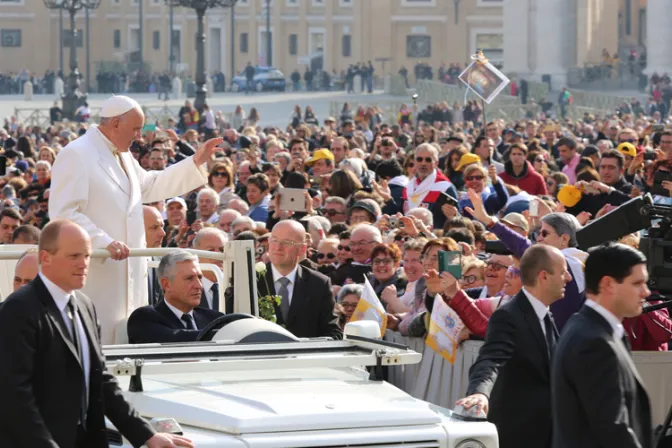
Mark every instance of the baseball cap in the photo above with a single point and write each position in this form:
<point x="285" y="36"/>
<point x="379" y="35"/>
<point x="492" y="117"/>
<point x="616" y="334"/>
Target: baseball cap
<point x="468" y="159"/>
<point x="177" y="199"/>
<point x="627" y="149"/>
<point x="320" y="154"/>
<point x="516" y="220"/>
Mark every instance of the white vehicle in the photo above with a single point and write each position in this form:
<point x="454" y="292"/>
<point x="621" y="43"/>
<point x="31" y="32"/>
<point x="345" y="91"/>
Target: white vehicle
<point x="296" y="393"/>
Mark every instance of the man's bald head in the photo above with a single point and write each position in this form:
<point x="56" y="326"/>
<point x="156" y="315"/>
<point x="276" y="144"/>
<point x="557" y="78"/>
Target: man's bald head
<point x="292" y="226"/>
<point x="153" y="220"/>
<point x="26" y="269"/>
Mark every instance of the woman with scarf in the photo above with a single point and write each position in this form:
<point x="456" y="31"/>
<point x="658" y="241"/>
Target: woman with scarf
<point x="494" y="198"/>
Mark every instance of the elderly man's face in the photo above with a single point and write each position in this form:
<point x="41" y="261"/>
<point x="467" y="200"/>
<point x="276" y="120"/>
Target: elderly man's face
<point x="206" y="205"/>
<point x="128" y="128"/>
<point x="211" y="243"/>
<point x="225" y="221"/>
<point x="282" y="163"/>
<point x="335" y="213"/>
<point x="185" y="288"/>
<point x="287" y="245"/>
<point x="424" y="164"/>
<point x="361" y="245"/>
<point x="358" y="216"/>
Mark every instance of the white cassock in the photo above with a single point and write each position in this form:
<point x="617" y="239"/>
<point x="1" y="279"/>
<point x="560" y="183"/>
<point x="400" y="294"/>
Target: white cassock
<point x="89" y="187"/>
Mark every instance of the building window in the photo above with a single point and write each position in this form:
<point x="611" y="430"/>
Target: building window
<point x="346" y="44"/>
<point x="418" y="3"/>
<point x="67" y="38"/>
<point x="293" y="44"/>
<point x="418" y="46"/>
<point x="243" y="42"/>
<point x="489" y="3"/>
<point x="345" y="3"/>
<point x="116" y="38"/>
<point x="492" y="46"/>
<point x="292" y="2"/>
<point x="318" y="2"/>
<point x="156" y="40"/>
<point x="10" y="38"/>
<point x="12" y="1"/>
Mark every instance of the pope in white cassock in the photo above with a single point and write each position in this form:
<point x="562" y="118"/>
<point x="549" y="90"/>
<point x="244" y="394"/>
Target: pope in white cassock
<point x="97" y="183"/>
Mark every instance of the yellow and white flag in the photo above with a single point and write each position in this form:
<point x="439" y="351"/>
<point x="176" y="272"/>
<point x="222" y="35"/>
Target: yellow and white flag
<point x="370" y="308"/>
<point x="444" y="330"/>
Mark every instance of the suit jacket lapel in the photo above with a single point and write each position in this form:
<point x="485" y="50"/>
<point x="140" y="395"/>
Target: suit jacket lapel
<point x="204" y="301"/>
<point x="163" y="309"/>
<point x="90" y="328"/>
<point x="535" y="326"/>
<point x="298" y="295"/>
<point x="55" y="315"/>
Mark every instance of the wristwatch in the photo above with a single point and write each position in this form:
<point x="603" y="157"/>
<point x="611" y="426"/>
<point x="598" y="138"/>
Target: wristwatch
<point x="492" y="223"/>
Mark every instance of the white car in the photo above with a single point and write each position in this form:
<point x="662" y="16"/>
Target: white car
<point x="234" y="393"/>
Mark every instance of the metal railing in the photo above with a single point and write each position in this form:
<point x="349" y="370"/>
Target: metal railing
<point x="238" y="261"/>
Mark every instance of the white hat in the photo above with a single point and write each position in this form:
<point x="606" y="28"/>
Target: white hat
<point x="177" y="199"/>
<point x="118" y="105"/>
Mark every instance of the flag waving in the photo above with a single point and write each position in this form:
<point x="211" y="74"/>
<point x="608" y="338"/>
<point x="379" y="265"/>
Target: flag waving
<point x="444" y="330"/>
<point x="370" y="308"/>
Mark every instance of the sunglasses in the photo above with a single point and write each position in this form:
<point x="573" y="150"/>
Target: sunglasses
<point x="332" y="212"/>
<point x="425" y="159"/>
<point x="410" y="165"/>
<point x="345" y="248"/>
<point x="403" y="238"/>
<point x="472" y="178"/>
<point x="218" y="174"/>
<point x="539" y="159"/>
<point x="329" y="256"/>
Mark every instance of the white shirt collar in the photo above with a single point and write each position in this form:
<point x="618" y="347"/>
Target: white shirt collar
<point x="539" y="308"/>
<point x="207" y="284"/>
<point x="107" y="141"/>
<point x="291" y="276"/>
<point x="613" y="321"/>
<point x="60" y="297"/>
<point x="177" y="312"/>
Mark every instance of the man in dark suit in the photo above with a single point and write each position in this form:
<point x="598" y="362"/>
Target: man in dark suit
<point x="154" y="233"/>
<point x="307" y="306"/>
<point x="211" y="239"/>
<point x="178" y="318"/>
<point x="511" y="379"/>
<point x="599" y="399"/>
<point x="55" y="389"/>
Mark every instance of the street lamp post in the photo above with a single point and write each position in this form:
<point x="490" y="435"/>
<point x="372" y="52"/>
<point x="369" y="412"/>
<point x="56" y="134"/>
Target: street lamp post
<point x="73" y="96"/>
<point x="200" y="6"/>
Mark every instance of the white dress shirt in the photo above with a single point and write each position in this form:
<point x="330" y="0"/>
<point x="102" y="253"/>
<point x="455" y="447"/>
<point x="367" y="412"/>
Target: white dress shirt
<point x="540" y="309"/>
<point x="179" y="315"/>
<point x="616" y="324"/>
<point x="61" y="298"/>
<point x="207" y="290"/>
<point x="292" y="280"/>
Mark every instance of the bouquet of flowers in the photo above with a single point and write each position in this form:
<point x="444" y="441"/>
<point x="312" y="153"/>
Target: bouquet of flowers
<point x="267" y="303"/>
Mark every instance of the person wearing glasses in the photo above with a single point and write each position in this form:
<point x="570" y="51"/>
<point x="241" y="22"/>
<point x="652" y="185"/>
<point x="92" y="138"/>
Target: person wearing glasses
<point x="307" y="302"/>
<point x="334" y="209"/>
<point x="557" y="230"/>
<point x="426" y="186"/>
<point x="387" y="277"/>
<point x="348" y="297"/>
<point x="327" y="252"/>
<point x="494" y="197"/>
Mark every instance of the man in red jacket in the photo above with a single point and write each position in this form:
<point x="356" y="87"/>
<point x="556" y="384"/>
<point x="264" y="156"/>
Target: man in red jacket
<point x="519" y="172"/>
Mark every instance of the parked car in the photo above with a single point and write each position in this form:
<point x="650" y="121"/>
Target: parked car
<point x="265" y="78"/>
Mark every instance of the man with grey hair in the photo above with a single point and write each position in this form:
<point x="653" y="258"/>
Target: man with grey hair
<point x="208" y="201"/>
<point x="211" y="239"/>
<point x="239" y="205"/>
<point x="226" y="219"/>
<point x="241" y="224"/>
<point x="177" y="318"/>
<point x="334" y="209"/>
<point x="604" y="145"/>
<point x="97" y="183"/>
<point x="425" y="188"/>
<point x="424" y="215"/>
<point x="318" y="227"/>
<point x="557" y="230"/>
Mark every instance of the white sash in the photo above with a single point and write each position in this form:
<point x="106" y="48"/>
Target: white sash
<point x="415" y="193"/>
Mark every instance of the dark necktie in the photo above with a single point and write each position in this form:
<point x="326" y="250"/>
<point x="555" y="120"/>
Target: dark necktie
<point x="76" y="340"/>
<point x="549" y="326"/>
<point x="626" y="342"/>
<point x="189" y="321"/>
<point x="284" y="294"/>
<point x="215" y="296"/>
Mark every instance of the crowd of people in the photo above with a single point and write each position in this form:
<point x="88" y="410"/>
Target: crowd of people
<point x="379" y="204"/>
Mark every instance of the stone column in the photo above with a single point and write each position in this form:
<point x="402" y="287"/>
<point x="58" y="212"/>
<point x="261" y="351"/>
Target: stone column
<point x="658" y="37"/>
<point x="516" y="37"/>
<point x="550" y="33"/>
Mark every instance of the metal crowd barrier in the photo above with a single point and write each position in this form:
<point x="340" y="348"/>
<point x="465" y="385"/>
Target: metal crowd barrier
<point x="238" y="272"/>
<point x="439" y="382"/>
